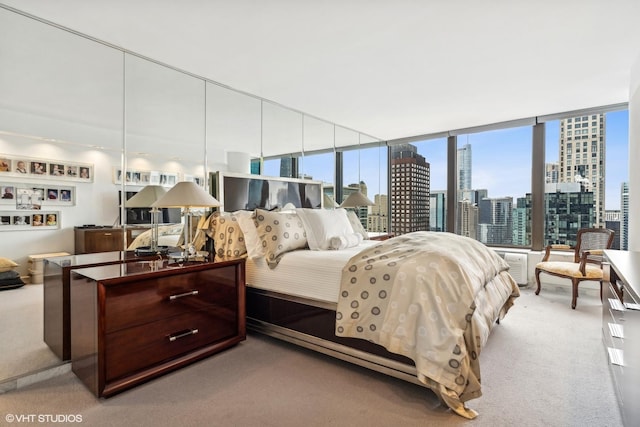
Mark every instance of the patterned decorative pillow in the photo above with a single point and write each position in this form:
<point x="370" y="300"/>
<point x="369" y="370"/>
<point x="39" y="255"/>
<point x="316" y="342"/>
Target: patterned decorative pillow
<point x="144" y="238"/>
<point x="6" y="264"/>
<point x="246" y="220"/>
<point x="357" y="225"/>
<point x="279" y="233"/>
<point x="227" y="236"/>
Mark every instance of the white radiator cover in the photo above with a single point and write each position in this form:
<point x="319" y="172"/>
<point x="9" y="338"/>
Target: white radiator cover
<point x="517" y="267"/>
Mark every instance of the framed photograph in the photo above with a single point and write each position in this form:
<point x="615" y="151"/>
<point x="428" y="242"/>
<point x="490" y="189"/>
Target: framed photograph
<point x="85" y="173"/>
<point x="29" y="198"/>
<point x="38" y="167"/>
<point x="56" y="169"/>
<point x="65" y="195"/>
<point x="8" y="192"/>
<point x="154" y="178"/>
<point x="72" y="171"/>
<point x="5" y="165"/>
<point x="21" y="166"/>
<point x="51" y="219"/>
<point x="5" y="220"/>
<point x="145" y="178"/>
<point x="22" y="220"/>
<point x="52" y="193"/>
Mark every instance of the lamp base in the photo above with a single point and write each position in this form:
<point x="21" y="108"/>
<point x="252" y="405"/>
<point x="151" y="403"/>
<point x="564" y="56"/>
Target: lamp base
<point x="147" y="251"/>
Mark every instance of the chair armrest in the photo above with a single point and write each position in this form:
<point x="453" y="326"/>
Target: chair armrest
<point x="549" y="248"/>
<point x="584" y="259"/>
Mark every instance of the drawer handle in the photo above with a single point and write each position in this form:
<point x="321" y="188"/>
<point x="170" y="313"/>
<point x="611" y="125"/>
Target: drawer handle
<point x="187" y="333"/>
<point x="107" y="234"/>
<point x="186" y="294"/>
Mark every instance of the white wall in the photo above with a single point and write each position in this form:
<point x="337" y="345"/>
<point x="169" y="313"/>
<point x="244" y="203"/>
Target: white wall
<point x="634" y="155"/>
<point x="95" y="202"/>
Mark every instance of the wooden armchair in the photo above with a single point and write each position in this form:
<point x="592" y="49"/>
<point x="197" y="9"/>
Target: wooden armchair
<point x="587" y="259"/>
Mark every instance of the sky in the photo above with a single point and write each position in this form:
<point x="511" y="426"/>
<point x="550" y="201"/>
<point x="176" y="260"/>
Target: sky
<point x="501" y="161"/>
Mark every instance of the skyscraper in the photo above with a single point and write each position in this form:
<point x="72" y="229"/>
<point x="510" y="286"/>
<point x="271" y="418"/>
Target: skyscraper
<point x="467" y="219"/>
<point x="409" y="190"/>
<point x="495" y="220"/>
<point x="582" y="157"/>
<point x="612" y="222"/>
<point x="464" y="171"/>
<point x="438" y="211"/>
<point x="551" y="172"/>
<point x="378" y="218"/>
<point x="624" y="216"/>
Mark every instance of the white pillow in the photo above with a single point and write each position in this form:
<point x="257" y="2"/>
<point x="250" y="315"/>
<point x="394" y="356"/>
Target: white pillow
<point x="344" y="242"/>
<point x="251" y="239"/>
<point x="357" y="225"/>
<point x="323" y="224"/>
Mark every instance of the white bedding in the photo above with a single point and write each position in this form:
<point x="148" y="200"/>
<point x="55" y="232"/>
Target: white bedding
<point x="304" y="273"/>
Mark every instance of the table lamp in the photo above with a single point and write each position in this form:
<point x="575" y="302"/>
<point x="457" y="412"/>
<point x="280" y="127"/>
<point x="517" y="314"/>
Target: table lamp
<point x="145" y="198"/>
<point x="186" y="195"/>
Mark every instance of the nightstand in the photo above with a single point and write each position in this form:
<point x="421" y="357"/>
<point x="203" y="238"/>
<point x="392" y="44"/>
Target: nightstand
<point x="382" y="237"/>
<point x="135" y="321"/>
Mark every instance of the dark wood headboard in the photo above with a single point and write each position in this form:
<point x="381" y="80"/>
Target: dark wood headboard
<point x="236" y="191"/>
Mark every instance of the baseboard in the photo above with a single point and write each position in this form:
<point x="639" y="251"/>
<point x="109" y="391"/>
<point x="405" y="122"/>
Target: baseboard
<point x="20" y="381"/>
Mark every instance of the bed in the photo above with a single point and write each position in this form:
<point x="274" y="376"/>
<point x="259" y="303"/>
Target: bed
<point x="419" y="307"/>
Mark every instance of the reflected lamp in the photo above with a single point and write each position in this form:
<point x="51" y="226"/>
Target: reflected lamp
<point x="145" y="198"/>
<point x="187" y="195"/>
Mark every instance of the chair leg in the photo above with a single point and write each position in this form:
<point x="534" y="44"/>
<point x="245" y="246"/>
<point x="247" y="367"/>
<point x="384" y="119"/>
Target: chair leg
<point x="574" y="285"/>
<point x="538" y="271"/>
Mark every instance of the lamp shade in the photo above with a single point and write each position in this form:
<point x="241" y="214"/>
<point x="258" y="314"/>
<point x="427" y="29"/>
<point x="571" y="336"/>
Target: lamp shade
<point x="146" y="197"/>
<point x="186" y="194"/>
<point x="355" y="200"/>
<point x="329" y="202"/>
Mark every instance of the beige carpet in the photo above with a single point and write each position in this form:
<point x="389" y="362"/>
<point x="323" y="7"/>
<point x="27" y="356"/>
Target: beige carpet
<point x="21" y="332"/>
<point x="544" y="366"/>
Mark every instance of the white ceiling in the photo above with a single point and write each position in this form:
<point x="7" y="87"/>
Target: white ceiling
<point x="387" y="68"/>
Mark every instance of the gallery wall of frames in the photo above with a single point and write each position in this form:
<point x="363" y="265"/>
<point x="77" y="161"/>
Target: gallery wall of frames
<point x="31" y="201"/>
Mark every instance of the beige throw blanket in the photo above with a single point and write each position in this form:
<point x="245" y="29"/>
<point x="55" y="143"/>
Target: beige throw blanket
<point x="414" y="295"/>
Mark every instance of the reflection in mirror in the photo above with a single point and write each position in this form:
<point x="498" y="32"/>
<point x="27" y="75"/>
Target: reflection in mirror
<point x="165" y="136"/>
<point x="318" y="161"/>
<point x="281" y="131"/>
<point x="84" y="106"/>
<point x="233" y="125"/>
<point x="61" y="102"/>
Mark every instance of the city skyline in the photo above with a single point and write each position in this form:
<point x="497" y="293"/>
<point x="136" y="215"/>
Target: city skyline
<point x="370" y="164"/>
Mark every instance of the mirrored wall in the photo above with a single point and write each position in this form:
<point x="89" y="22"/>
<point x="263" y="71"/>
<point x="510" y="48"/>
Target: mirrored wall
<point x="65" y="97"/>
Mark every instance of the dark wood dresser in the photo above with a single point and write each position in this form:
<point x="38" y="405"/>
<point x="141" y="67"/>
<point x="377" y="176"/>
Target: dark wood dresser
<point x="57" y="274"/>
<point x="621" y="328"/>
<point x="104" y="239"/>
<point x="135" y="321"/>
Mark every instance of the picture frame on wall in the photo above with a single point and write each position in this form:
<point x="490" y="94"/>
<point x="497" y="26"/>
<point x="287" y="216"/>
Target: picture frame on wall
<point x="44" y="169"/>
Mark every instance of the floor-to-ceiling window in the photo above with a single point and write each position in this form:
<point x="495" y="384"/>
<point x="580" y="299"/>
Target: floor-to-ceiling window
<point x="586" y="174"/>
<point x="418" y="186"/>
<point x="320" y="167"/>
<point x="493" y="179"/>
<point x="365" y="169"/>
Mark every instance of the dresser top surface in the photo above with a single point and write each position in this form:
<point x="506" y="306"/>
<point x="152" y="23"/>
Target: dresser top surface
<point x="627" y="267"/>
<point x="148" y="267"/>
<point x="91" y="258"/>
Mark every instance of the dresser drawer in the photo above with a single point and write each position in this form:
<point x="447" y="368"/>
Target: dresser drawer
<point x="134" y="304"/>
<point x="136" y="348"/>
